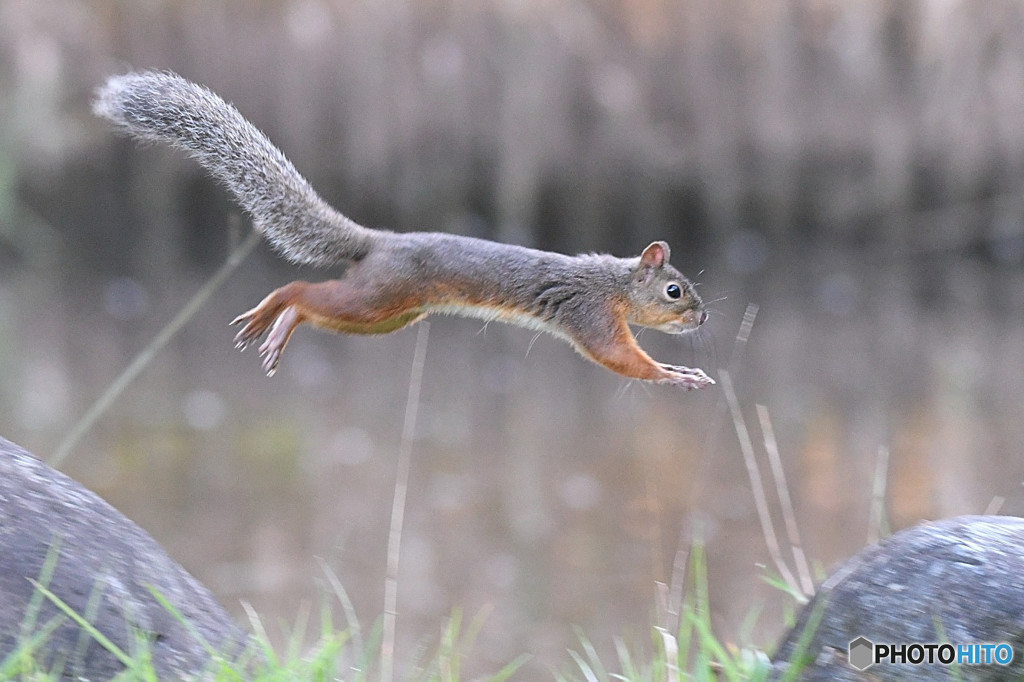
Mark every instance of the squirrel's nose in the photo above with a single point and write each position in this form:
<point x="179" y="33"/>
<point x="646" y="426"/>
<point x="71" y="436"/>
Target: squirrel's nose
<point x="703" y="317"/>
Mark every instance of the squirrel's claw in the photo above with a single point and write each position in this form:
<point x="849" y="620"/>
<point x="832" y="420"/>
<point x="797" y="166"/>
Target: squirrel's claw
<point x="251" y="332"/>
<point x="685" y="377"/>
<point x="271" y="357"/>
<point x="280" y="331"/>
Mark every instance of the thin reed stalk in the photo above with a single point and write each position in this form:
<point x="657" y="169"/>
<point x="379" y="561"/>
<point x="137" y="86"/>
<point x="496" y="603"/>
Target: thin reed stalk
<point x="771" y="446"/>
<point x="387" y="645"/>
<point x="757" y="484"/>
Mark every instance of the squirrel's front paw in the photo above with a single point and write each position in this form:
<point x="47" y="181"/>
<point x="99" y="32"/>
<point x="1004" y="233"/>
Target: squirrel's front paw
<point x="685" y="377"/>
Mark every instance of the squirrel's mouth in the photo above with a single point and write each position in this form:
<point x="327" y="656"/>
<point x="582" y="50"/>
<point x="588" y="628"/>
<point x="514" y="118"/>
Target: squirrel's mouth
<point x="677" y="327"/>
<point x="689" y="321"/>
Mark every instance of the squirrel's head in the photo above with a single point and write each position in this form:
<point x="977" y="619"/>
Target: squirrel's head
<point x="662" y="297"/>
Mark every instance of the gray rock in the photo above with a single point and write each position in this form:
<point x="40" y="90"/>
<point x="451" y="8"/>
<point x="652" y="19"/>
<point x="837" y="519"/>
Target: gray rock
<point x="105" y="566"/>
<point x="958" y="581"/>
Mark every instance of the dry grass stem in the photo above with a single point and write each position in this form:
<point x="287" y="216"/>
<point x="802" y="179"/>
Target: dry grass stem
<point x="387" y="645"/>
<point x="757" y="484"/>
<point x="771" y="446"/>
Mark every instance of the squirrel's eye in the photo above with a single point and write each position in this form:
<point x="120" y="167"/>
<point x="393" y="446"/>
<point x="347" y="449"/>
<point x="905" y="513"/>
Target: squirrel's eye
<point x="673" y="291"/>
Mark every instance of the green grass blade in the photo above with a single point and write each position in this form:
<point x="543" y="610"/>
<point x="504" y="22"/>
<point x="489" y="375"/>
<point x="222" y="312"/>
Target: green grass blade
<point x="509" y="669"/>
<point x="100" y="638"/>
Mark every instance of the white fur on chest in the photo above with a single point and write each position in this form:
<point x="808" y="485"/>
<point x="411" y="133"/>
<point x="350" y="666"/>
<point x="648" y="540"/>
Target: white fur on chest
<point x="491" y="314"/>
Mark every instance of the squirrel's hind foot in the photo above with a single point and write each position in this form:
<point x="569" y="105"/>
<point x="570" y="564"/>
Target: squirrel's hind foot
<point x="267" y="316"/>
<point x="255" y="325"/>
<point x="685" y="377"/>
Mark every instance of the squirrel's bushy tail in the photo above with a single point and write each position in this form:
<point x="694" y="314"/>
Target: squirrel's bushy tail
<point x="164" y="107"/>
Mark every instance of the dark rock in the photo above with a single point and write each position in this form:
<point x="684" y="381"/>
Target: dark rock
<point x="104" y="568"/>
<point x="958" y="581"/>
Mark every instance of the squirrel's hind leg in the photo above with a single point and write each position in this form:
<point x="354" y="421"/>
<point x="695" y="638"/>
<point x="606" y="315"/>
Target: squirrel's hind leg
<point x="334" y="305"/>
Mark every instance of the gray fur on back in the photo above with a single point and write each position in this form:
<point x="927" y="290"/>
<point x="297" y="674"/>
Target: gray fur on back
<point x="164" y="107"/>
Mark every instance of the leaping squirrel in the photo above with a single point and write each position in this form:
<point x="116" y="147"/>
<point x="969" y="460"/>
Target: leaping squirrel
<point x="395" y="279"/>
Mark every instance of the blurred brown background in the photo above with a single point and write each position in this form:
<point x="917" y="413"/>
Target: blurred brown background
<point x="855" y="169"/>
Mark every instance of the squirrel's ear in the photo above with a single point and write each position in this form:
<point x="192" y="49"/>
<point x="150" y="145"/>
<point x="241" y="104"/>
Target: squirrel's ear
<point x="655" y="255"/>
